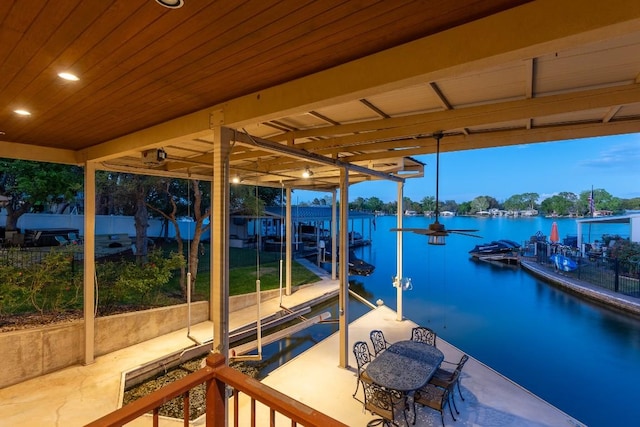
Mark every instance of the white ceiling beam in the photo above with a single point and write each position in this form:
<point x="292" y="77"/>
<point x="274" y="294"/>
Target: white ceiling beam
<point x="479" y="115"/>
<point x="312" y="157"/>
<point x="504" y="138"/>
<point x="13" y="150"/>
<point x="526" y="31"/>
<point x="444" y="102"/>
<point x="529" y="77"/>
<point x="611" y="113"/>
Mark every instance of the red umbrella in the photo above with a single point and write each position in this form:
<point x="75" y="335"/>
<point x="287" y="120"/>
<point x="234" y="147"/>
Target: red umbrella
<point x="555" y="237"/>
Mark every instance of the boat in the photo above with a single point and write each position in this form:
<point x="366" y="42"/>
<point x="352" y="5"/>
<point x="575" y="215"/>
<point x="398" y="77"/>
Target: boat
<point x="502" y="246"/>
<point x="563" y="263"/>
<point x="357" y="266"/>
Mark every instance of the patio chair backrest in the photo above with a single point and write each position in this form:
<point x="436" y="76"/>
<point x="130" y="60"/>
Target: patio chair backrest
<point x="362" y="354"/>
<point x="424" y="335"/>
<point x="378" y="400"/>
<point x="378" y="341"/>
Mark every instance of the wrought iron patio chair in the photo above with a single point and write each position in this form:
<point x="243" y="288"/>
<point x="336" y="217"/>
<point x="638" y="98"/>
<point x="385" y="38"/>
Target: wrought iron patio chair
<point x="435" y="398"/>
<point x="378" y="341"/>
<point x="363" y="357"/>
<point x="383" y="402"/>
<point x="424" y="335"/>
<point x="448" y="379"/>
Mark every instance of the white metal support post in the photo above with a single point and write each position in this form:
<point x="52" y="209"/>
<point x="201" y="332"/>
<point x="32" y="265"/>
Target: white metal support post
<point x="288" y="236"/>
<point x="334" y="236"/>
<point x="344" y="268"/>
<point x="398" y="281"/>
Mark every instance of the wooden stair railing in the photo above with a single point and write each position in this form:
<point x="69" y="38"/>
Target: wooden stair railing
<point x="217" y="375"/>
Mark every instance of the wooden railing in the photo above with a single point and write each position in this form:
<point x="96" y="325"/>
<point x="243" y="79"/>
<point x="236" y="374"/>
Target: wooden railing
<point x="217" y="376"/>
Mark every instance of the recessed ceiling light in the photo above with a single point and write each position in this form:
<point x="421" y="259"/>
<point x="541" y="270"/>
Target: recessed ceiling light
<point x="68" y="76"/>
<point x="171" y="4"/>
<point x="22" y="112"/>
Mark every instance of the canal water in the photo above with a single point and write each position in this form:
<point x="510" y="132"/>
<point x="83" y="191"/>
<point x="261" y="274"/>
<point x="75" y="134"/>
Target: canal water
<point x="580" y="357"/>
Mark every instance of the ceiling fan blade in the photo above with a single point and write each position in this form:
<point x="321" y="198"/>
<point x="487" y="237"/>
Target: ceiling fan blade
<point x="424" y="231"/>
<point x="461" y="232"/>
<point x="465" y="231"/>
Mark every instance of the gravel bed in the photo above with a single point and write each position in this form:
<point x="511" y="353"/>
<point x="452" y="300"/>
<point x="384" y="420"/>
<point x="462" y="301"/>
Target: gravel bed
<point x="174" y="408"/>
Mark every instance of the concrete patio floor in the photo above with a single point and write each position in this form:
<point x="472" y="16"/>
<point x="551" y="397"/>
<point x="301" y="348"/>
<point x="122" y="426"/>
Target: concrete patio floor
<point x="315" y="379"/>
<point x="79" y="394"/>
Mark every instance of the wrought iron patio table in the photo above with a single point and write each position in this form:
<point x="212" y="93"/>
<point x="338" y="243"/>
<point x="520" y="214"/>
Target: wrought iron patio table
<point x="405" y="365"/>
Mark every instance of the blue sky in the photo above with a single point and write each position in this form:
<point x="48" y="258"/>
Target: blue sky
<point x="611" y="163"/>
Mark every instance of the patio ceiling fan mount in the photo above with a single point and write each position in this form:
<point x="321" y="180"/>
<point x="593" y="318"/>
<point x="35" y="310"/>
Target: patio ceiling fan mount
<point x="436" y="232"/>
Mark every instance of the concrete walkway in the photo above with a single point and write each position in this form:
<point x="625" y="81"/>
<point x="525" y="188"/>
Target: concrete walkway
<point x="586" y="290"/>
<point x="77" y="395"/>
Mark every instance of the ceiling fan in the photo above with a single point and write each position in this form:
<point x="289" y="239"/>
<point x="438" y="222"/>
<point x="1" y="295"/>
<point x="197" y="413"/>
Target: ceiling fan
<point x="436" y="231"/>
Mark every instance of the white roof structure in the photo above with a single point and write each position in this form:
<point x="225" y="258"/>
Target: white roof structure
<point x="633" y="221"/>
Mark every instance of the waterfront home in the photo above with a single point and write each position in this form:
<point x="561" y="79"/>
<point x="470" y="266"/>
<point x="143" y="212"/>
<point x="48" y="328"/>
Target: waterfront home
<point x="318" y="97"/>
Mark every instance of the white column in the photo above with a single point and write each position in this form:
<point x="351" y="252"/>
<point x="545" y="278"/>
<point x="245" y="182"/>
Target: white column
<point x="288" y="235"/>
<point x="344" y="269"/>
<point x="89" y="260"/>
<point x="219" y="285"/>
<point x="334" y="236"/>
<point x="399" y="254"/>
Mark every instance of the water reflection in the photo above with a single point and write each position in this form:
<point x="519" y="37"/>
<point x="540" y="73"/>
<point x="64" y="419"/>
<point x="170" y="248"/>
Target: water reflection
<point x="562" y="348"/>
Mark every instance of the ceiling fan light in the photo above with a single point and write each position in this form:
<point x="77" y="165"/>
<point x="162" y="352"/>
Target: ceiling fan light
<point x="436" y="240"/>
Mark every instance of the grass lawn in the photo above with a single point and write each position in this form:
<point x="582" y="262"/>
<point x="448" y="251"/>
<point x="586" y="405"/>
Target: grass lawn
<point x="243" y="272"/>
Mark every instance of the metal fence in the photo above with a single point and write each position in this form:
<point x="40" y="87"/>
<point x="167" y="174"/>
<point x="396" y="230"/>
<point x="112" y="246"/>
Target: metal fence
<point x="609" y="273"/>
<point x="25" y="257"/>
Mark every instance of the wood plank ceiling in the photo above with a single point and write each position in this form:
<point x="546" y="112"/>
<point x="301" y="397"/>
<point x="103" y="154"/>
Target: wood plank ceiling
<point x="143" y="66"/>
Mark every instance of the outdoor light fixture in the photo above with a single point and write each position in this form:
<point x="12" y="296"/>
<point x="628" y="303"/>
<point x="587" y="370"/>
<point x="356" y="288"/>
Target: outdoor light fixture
<point x="236" y="179"/>
<point x="307" y="173"/>
<point x="435" y="239"/>
<point x="171" y="4"/>
<point x="403" y="283"/>
<point x="22" y="112"/>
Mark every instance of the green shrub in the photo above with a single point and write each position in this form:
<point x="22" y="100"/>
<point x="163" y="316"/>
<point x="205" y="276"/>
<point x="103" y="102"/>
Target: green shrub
<point x="125" y="282"/>
<point x="48" y="286"/>
<point x="12" y="296"/>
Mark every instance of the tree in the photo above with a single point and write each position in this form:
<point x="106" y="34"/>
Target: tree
<point x="464" y="208"/>
<point x="561" y="204"/>
<point x="25" y="184"/>
<point x="374" y="204"/>
<point x="428" y="204"/>
<point x="531" y="199"/>
<point x="602" y="201"/>
<point x="480" y="203"/>
<point x="630" y="204"/>
<point x="449" y="205"/>
<point x="358" y="204"/>
<point x="179" y="195"/>
<point x="127" y="194"/>
<point x="517" y="202"/>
